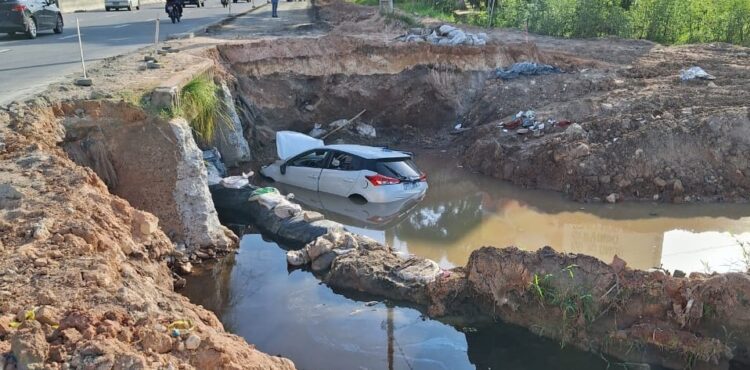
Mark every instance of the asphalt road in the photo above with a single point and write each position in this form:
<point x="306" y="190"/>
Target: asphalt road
<point x="28" y="66"/>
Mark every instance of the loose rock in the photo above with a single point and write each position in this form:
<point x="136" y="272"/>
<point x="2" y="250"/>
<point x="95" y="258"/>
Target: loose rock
<point x="192" y="342"/>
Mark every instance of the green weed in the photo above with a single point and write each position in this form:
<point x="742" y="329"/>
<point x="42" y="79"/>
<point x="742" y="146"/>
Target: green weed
<point x="201" y="105"/>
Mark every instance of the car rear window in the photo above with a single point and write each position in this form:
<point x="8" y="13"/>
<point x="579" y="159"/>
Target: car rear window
<point x="401" y="168"/>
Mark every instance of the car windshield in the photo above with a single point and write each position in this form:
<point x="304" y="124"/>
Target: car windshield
<point x="402" y="168"/>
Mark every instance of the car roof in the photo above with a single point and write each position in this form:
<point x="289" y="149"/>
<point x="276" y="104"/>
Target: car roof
<point x="368" y="152"/>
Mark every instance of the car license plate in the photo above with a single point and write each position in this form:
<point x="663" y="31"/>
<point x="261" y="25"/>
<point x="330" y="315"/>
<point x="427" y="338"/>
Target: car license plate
<point x="410" y="185"/>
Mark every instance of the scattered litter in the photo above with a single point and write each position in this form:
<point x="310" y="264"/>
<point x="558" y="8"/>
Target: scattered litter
<point x="286" y="210"/>
<point x="527" y="121"/>
<point x="268" y="197"/>
<point x="341" y="123"/>
<point x="371" y="303"/>
<point x="317" y="131"/>
<point x="693" y="73"/>
<point x="185" y="325"/>
<point x="366" y="130"/>
<point x="525" y="69"/>
<point x="237" y="182"/>
<point x="214" y="176"/>
<point x="213" y="157"/>
<point x="445" y="35"/>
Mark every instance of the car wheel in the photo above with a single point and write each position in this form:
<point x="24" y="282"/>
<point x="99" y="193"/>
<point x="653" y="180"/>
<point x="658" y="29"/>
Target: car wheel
<point x="130" y="8"/>
<point x="59" y="24"/>
<point x="138" y="6"/>
<point x="106" y="8"/>
<point x="31" y="31"/>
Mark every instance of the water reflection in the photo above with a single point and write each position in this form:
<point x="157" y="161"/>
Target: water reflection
<point x="292" y="314"/>
<point x="464" y="211"/>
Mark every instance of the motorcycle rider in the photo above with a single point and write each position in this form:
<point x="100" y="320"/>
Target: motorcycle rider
<point x="174" y="3"/>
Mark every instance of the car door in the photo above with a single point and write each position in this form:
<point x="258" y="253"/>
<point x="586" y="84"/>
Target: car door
<point x="340" y="174"/>
<point x="304" y="169"/>
<point x="42" y="14"/>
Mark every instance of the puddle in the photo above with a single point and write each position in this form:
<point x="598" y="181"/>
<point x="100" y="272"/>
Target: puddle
<point x="464" y="211"/>
<point x="292" y="314"/>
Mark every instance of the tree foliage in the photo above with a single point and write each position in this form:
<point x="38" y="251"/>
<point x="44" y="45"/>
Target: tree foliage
<point x="664" y="21"/>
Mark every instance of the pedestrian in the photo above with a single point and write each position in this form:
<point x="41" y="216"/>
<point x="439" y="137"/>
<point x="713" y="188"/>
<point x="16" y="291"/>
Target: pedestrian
<point x="274" y="8"/>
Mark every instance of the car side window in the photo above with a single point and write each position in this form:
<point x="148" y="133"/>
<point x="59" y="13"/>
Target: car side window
<point x="313" y="159"/>
<point x="344" y="162"/>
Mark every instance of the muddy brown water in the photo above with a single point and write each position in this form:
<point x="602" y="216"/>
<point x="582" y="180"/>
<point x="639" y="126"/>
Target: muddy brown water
<point x="290" y="313"/>
<point x="463" y="211"/>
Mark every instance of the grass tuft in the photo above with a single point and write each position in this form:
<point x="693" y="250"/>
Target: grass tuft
<point x="201" y="105"/>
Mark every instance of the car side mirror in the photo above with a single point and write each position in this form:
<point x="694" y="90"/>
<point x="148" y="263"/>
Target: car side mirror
<point x="283" y="169"/>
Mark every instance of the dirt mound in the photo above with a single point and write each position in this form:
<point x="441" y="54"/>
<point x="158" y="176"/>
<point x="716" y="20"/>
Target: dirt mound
<point x="646" y="134"/>
<point x="83" y="275"/>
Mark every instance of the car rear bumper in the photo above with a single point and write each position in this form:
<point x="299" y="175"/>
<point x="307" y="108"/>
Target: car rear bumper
<point x="14" y="22"/>
<point x="392" y="193"/>
<point x="116" y="4"/>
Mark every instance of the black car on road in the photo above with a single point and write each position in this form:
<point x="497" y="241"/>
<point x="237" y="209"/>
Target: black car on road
<point x="30" y="17"/>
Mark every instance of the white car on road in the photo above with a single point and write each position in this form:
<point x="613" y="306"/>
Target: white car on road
<point x="122" y="4"/>
<point x="372" y="174"/>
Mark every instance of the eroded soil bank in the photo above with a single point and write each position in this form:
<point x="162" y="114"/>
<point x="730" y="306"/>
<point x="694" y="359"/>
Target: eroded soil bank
<point x="83" y="275"/>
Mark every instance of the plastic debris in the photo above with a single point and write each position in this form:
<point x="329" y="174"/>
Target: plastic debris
<point x="317" y="131"/>
<point x="525" y="69"/>
<point x="213" y="157"/>
<point x="214" y="176"/>
<point x="237" y="182"/>
<point x="445" y="35"/>
<point x="286" y="210"/>
<point x="366" y="130"/>
<point x="268" y="197"/>
<point x="180" y="325"/>
<point x="693" y="73"/>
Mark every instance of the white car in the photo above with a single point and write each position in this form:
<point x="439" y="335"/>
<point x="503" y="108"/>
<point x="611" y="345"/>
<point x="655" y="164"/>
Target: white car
<point x="118" y="4"/>
<point x="372" y="174"/>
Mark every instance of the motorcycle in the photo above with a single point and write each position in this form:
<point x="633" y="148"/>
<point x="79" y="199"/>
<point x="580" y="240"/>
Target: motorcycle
<point x="174" y="13"/>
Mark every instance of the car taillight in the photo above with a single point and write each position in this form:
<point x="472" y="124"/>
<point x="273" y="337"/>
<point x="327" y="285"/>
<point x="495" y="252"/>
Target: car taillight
<point x="379" y="179"/>
<point x="19" y="8"/>
<point x="423" y="177"/>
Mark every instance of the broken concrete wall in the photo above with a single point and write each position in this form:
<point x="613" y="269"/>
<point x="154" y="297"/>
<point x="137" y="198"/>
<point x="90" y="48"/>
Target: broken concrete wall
<point x="200" y="223"/>
<point x="153" y="164"/>
<point x="229" y="138"/>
